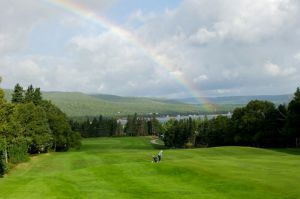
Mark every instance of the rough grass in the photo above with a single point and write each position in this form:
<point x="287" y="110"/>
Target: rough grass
<point x="122" y="168"/>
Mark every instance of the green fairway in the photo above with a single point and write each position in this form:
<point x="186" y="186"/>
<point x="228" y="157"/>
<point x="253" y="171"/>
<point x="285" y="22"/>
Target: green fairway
<point x="122" y="168"/>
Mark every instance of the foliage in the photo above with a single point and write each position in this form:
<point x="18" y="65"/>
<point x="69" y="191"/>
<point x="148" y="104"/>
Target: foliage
<point x="178" y="133"/>
<point x="18" y="94"/>
<point x="258" y="124"/>
<point x="293" y="118"/>
<point x="3" y="164"/>
<point x="97" y="127"/>
<point x="141" y="126"/>
<point x="60" y="129"/>
<point x="17" y="150"/>
<point x="31" y="125"/>
<point x="33" y="95"/>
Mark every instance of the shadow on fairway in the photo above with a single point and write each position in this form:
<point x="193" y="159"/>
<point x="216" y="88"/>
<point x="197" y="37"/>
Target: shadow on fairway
<point x="291" y="151"/>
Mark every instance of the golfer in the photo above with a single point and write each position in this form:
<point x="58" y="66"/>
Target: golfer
<point x="160" y="155"/>
<point x="154" y="159"/>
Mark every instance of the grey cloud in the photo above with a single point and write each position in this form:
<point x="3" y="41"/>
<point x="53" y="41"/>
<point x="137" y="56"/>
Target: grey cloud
<point x="223" y="47"/>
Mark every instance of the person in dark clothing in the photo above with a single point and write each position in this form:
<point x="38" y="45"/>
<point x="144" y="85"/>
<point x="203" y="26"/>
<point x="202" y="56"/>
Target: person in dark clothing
<point x="155" y="159"/>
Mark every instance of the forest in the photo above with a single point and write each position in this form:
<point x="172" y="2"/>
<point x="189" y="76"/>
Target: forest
<point x="31" y="125"/>
<point x="108" y="126"/>
<point x="258" y="124"/>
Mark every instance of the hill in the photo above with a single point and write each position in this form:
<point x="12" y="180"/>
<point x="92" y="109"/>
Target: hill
<point x="77" y="104"/>
<point x="122" y="168"/>
<point x="277" y="99"/>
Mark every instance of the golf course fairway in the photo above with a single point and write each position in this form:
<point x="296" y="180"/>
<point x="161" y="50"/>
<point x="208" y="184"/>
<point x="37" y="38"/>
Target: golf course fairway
<point x="122" y="168"/>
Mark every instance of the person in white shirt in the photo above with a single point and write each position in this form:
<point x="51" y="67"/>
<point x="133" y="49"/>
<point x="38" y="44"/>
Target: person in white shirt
<point x="160" y="155"/>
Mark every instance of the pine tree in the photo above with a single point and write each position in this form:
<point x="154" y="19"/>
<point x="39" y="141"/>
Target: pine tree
<point x="29" y="94"/>
<point x="18" y="94"/>
<point x="37" y="96"/>
<point x="293" y="120"/>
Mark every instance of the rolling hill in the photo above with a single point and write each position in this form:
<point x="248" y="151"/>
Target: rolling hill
<point x="277" y="99"/>
<point x="76" y="104"/>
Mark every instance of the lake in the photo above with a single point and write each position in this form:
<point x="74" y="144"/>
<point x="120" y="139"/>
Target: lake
<point x="164" y="119"/>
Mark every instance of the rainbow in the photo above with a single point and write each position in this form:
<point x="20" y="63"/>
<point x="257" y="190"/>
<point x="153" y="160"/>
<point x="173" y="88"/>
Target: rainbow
<point x="163" y="61"/>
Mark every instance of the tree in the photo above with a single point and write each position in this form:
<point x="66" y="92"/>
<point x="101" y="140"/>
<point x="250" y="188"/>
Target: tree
<point x="4" y="118"/>
<point x="154" y="126"/>
<point x="131" y="125"/>
<point x="33" y="95"/>
<point x="3" y="161"/>
<point x="29" y="94"/>
<point x="293" y="118"/>
<point x="177" y="133"/>
<point x="62" y="135"/>
<point x="32" y="123"/>
<point x="18" y="94"/>
<point x="37" y="96"/>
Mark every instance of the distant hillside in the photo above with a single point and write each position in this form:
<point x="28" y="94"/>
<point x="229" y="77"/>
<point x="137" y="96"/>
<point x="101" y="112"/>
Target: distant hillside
<point x="115" y="98"/>
<point x="277" y="99"/>
<point x="76" y="104"/>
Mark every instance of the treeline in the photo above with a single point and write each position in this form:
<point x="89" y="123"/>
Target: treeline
<point x="97" y="127"/>
<point x="259" y="124"/>
<point x="31" y="125"/>
<point x="141" y="126"/>
<point x="104" y="126"/>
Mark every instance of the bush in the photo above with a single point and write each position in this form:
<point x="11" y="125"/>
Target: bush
<point x="17" y="150"/>
<point x="3" y="166"/>
<point x="75" y="140"/>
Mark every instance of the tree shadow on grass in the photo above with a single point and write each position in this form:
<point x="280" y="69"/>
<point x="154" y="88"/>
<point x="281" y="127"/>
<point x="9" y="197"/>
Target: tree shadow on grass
<point x="291" y="151"/>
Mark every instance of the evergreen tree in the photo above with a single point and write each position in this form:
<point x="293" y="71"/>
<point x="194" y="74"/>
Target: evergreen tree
<point x="29" y="94"/>
<point x="18" y="94"/>
<point x="293" y="118"/>
<point x="37" y="96"/>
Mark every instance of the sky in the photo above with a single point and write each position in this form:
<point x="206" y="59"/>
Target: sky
<point x="169" y="48"/>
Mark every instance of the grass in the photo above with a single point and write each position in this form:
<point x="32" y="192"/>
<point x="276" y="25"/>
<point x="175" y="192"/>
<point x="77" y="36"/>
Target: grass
<point x="122" y="168"/>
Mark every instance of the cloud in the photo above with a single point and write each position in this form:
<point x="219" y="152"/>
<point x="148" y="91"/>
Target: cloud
<point x="275" y="70"/>
<point x="200" y="78"/>
<point x="203" y="36"/>
<point x="297" y="56"/>
<point x="272" y="69"/>
<point x="219" y="46"/>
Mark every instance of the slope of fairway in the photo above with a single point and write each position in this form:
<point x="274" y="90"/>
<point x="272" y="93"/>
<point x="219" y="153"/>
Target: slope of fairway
<point x="122" y="168"/>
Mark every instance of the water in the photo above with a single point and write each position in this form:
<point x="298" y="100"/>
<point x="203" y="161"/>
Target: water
<point x="165" y="119"/>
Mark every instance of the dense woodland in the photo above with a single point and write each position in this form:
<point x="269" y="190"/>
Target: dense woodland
<point x="97" y="127"/>
<point x="31" y="125"/>
<point x="259" y="124"/>
<point x="105" y="126"/>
